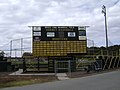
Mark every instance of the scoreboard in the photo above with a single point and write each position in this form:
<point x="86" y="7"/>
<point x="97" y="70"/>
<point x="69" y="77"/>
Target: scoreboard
<point x="59" y="40"/>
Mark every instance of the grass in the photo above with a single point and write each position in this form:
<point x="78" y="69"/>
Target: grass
<point x="21" y="82"/>
<point x="16" y="83"/>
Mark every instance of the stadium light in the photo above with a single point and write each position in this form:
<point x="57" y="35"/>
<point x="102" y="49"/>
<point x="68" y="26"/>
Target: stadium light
<point x="104" y="12"/>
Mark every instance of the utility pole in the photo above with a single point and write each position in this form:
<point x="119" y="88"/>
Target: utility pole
<point x="104" y="12"/>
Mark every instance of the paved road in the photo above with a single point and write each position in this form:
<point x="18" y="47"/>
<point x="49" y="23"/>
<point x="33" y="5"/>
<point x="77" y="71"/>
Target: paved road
<point x="106" y="81"/>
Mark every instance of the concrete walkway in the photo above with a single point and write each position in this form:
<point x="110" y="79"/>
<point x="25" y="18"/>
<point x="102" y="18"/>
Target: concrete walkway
<point x="17" y="72"/>
<point x="62" y="76"/>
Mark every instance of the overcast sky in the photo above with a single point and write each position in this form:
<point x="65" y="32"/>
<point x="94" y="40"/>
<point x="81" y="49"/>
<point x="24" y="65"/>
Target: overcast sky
<point x="16" y="15"/>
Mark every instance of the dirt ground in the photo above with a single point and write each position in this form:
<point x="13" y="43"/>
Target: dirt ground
<point x="85" y="73"/>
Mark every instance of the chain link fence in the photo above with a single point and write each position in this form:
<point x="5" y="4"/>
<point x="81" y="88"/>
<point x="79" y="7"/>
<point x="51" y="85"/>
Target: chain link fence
<point x="16" y="47"/>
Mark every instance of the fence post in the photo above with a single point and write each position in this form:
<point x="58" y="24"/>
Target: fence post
<point x="24" y="65"/>
<point x="69" y="67"/>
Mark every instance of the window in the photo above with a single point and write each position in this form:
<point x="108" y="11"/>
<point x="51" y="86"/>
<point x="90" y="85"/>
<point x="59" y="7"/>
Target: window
<point x="36" y="38"/>
<point x="82" y="38"/>
<point x="37" y="28"/>
<point x="82" y="33"/>
<point x="36" y="33"/>
<point x="71" y="34"/>
<point x="50" y="34"/>
<point x="81" y="28"/>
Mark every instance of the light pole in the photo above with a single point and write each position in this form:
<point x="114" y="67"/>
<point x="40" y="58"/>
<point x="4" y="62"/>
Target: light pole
<point x="21" y="46"/>
<point x="93" y="47"/>
<point x="104" y="12"/>
<point x="10" y="49"/>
